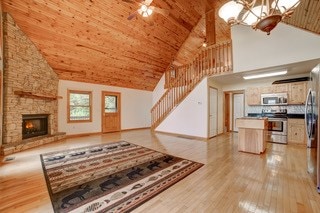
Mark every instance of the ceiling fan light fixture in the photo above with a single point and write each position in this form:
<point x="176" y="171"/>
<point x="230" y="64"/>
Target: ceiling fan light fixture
<point x="262" y="15"/>
<point x="145" y="10"/>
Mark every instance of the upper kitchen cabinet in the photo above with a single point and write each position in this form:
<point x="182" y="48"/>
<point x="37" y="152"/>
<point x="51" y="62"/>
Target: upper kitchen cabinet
<point x="297" y="92"/>
<point x="266" y="90"/>
<point x="280" y="88"/>
<point x="253" y="96"/>
<point x="276" y="88"/>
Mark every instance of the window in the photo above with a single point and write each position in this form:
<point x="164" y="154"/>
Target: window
<point x="110" y="103"/>
<point x="79" y="106"/>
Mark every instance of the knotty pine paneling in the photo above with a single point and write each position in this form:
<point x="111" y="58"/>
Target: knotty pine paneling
<point x="92" y="41"/>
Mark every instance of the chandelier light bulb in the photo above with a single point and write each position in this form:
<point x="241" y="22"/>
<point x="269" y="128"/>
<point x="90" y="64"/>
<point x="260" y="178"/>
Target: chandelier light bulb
<point x="284" y="5"/>
<point x="149" y="11"/>
<point x="230" y="10"/>
<point x="144" y="8"/>
<point x="252" y="16"/>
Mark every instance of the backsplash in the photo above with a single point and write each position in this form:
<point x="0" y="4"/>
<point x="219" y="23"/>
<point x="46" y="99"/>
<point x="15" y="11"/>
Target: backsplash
<point x="291" y="109"/>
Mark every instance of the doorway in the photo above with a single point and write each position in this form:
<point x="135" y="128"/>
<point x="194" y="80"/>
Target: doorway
<point x="213" y="112"/>
<point x="226" y="112"/>
<point x="238" y="109"/>
<point x="111" y="112"/>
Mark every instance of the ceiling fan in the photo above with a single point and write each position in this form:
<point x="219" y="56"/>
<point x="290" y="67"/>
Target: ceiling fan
<point x="145" y="9"/>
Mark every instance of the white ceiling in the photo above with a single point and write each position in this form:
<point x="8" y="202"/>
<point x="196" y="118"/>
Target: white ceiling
<point x="294" y="70"/>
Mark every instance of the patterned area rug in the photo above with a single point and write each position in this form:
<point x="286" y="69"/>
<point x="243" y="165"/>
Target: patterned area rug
<point x="113" y="177"/>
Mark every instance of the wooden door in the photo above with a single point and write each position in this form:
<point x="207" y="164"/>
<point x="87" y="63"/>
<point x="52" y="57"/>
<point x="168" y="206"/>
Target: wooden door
<point x="226" y="112"/>
<point x="111" y="112"/>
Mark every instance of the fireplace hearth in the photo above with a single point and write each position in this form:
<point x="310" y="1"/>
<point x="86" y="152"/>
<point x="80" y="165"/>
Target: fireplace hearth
<point x="34" y="125"/>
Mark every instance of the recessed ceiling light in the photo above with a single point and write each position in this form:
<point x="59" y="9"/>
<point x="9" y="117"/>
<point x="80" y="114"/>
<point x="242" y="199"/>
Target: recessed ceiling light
<point x="263" y="75"/>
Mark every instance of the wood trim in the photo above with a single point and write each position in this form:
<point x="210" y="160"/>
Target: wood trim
<point x="103" y="94"/>
<point x="68" y="105"/>
<point x="191" y="137"/>
<point x="226" y="112"/>
<point x="132" y="129"/>
<point x="101" y="133"/>
<point x="83" y="134"/>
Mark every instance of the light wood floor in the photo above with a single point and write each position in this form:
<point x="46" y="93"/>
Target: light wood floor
<point x="230" y="181"/>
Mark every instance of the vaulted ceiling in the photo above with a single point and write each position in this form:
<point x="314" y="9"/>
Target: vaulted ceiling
<point x="93" y="41"/>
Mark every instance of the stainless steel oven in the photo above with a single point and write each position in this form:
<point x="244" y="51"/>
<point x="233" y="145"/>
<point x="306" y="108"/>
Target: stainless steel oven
<point x="277" y="130"/>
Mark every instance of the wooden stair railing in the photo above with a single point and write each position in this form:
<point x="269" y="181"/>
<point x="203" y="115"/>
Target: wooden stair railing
<point x="213" y="60"/>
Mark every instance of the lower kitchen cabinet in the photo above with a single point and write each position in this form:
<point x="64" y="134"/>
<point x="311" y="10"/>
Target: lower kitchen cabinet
<point x="296" y="131"/>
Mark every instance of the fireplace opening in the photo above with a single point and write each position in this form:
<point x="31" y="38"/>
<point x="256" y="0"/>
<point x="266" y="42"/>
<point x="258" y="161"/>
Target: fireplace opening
<point x="34" y="125"/>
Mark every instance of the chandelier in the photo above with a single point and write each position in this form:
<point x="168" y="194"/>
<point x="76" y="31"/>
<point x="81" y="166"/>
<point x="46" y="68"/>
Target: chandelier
<point x="260" y="14"/>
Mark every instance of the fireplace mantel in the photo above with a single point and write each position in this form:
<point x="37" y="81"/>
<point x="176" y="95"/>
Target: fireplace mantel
<point x="36" y="96"/>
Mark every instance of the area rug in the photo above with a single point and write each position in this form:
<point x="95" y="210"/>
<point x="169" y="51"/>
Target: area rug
<point x="112" y="177"/>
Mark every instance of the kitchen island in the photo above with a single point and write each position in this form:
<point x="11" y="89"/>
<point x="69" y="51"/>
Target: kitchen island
<point x="252" y="134"/>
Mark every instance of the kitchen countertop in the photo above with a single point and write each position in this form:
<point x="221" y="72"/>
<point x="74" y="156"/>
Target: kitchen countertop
<point x="289" y="115"/>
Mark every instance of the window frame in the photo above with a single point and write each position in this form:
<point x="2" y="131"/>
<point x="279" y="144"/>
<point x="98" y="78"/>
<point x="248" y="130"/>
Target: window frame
<point x="68" y="105"/>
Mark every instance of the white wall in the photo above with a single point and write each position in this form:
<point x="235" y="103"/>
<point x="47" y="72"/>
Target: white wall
<point x="135" y="107"/>
<point x="159" y="90"/>
<point x="286" y="44"/>
<point x="191" y="116"/>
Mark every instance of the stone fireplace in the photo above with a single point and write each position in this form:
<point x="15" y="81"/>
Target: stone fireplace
<point x="30" y="104"/>
<point x="34" y="125"/>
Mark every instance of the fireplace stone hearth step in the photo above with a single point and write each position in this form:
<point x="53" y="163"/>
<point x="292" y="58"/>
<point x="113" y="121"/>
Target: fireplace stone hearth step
<point x="11" y="148"/>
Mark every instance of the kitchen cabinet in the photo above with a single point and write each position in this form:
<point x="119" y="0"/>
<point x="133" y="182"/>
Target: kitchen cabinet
<point x="252" y="134"/>
<point x="253" y="96"/>
<point x="276" y="88"/>
<point x="266" y="90"/>
<point x="297" y="93"/>
<point x="296" y="131"/>
<point x="280" y="88"/>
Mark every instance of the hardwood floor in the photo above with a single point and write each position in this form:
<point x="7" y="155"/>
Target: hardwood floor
<point x="230" y="181"/>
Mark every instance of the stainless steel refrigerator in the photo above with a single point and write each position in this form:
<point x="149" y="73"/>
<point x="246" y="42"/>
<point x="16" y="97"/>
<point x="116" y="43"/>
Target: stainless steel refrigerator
<point x="312" y="126"/>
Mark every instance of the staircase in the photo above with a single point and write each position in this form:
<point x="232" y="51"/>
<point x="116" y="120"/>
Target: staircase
<point x="212" y="60"/>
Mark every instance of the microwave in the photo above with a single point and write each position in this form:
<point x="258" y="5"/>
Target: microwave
<point x="274" y="99"/>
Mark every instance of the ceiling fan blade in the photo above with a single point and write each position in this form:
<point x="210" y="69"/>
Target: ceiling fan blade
<point x="149" y="21"/>
<point x="163" y="12"/>
<point x="129" y="1"/>
<point x="148" y="2"/>
<point x="132" y="15"/>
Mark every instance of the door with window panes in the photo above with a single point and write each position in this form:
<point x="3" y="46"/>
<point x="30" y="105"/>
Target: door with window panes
<point x="111" y="112"/>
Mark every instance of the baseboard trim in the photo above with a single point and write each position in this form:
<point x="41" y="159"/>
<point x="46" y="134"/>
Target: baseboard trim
<point x="190" y="137"/>
<point x="100" y="133"/>
<point x="216" y="135"/>
<point x="83" y="134"/>
<point x="141" y="128"/>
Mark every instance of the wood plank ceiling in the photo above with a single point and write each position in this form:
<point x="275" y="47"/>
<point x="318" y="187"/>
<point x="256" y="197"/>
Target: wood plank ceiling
<point x="92" y="41"/>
